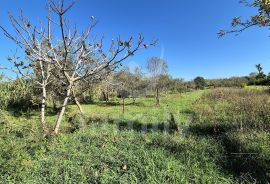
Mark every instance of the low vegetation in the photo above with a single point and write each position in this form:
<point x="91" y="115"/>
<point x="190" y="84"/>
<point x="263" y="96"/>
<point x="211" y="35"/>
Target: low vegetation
<point x="72" y="115"/>
<point x="146" y="144"/>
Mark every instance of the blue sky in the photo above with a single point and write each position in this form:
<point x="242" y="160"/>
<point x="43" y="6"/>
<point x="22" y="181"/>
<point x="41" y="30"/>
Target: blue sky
<point x="186" y="31"/>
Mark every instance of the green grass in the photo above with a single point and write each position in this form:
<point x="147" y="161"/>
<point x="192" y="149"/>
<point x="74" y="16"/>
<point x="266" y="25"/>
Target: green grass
<point x="260" y="88"/>
<point x="239" y="120"/>
<point x="145" y="109"/>
<point x="104" y="152"/>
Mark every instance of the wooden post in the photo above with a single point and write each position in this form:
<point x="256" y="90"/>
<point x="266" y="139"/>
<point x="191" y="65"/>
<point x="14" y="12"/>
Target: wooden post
<point x="123" y="105"/>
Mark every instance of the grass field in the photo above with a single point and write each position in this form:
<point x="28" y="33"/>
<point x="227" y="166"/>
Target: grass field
<point x="107" y="150"/>
<point x="260" y="88"/>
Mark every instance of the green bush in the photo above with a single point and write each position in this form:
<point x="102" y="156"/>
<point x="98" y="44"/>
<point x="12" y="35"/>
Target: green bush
<point x="17" y="94"/>
<point x="243" y="85"/>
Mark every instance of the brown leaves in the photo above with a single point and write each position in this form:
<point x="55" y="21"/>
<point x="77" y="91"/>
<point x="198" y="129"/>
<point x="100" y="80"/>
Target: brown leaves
<point x="127" y="44"/>
<point x="120" y="43"/>
<point x="124" y="167"/>
<point x="221" y="33"/>
<point x="236" y="21"/>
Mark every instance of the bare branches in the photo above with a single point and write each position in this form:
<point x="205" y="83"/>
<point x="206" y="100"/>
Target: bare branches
<point x="261" y="19"/>
<point x="71" y="59"/>
<point x="59" y="7"/>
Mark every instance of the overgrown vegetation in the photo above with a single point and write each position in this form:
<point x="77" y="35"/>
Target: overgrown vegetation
<point x="146" y="144"/>
<point x="239" y="120"/>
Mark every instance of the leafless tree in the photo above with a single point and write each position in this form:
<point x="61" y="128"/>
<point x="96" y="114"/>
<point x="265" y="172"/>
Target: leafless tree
<point x="156" y="67"/>
<point x="88" y="57"/>
<point x="35" y="42"/>
<point x="77" y="56"/>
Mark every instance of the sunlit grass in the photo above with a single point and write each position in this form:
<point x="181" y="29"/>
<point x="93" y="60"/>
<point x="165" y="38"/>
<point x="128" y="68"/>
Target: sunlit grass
<point x="103" y="152"/>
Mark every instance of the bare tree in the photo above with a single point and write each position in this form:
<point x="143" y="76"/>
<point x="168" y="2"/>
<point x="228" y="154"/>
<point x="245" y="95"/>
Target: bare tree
<point x="76" y="56"/>
<point x="156" y="66"/>
<point x="81" y="58"/>
<point x="36" y="44"/>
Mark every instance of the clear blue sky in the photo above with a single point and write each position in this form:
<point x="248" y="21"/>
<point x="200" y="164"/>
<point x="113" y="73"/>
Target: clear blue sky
<point x="186" y="31"/>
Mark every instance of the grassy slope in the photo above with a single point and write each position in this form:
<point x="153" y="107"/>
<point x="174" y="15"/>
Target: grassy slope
<point x="103" y="153"/>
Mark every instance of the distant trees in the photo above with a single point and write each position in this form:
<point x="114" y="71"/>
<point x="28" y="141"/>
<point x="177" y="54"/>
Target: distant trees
<point x="131" y="81"/>
<point x="260" y="19"/>
<point x="67" y="56"/>
<point x="260" y="74"/>
<point x="157" y="67"/>
<point x="200" y="82"/>
<point x="259" y="78"/>
<point x="178" y="86"/>
<point x="228" y="82"/>
<point x="252" y="78"/>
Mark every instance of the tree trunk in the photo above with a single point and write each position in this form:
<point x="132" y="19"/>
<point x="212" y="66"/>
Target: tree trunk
<point x="43" y="106"/>
<point x="63" y="108"/>
<point x="157" y="96"/>
<point x="54" y="104"/>
<point x="78" y="105"/>
<point x="77" y="102"/>
<point x="107" y="96"/>
<point x="133" y="97"/>
<point x="123" y="105"/>
<point x="104" y="97"/>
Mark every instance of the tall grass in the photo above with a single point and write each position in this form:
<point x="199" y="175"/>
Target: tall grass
<point x="239" y="120"/>
<point x="244" y="109"/>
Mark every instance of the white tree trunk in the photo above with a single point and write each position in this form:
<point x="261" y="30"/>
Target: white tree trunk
<point x="43" y="106"/>
<point x="78" y="105"/>
<point x="63" y="109"/>
<point x="157" y="96"/>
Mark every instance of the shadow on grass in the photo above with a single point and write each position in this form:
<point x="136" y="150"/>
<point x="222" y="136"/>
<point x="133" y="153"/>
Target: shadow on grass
<point x="237" y="159"/>
<point x="79" y="121"/>
<point x="170" y="126"/>
<point x="113" y="104"/>
<point x="29" y="113"/>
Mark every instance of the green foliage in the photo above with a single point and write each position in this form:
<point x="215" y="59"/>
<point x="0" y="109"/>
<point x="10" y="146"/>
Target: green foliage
<point x="200" y="83"/>
<point x="243" y="85"/>
<point x="229" y="82"/>
<point x="17" y="94"/>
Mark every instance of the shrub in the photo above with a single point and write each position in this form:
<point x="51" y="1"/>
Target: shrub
<point x="78" y="121"/>
<point x="243" y="85"/>
<point x="17" y="94"/>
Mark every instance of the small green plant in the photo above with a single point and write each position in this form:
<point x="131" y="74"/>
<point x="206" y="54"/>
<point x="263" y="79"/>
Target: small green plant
<point x="243" y="85"/>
